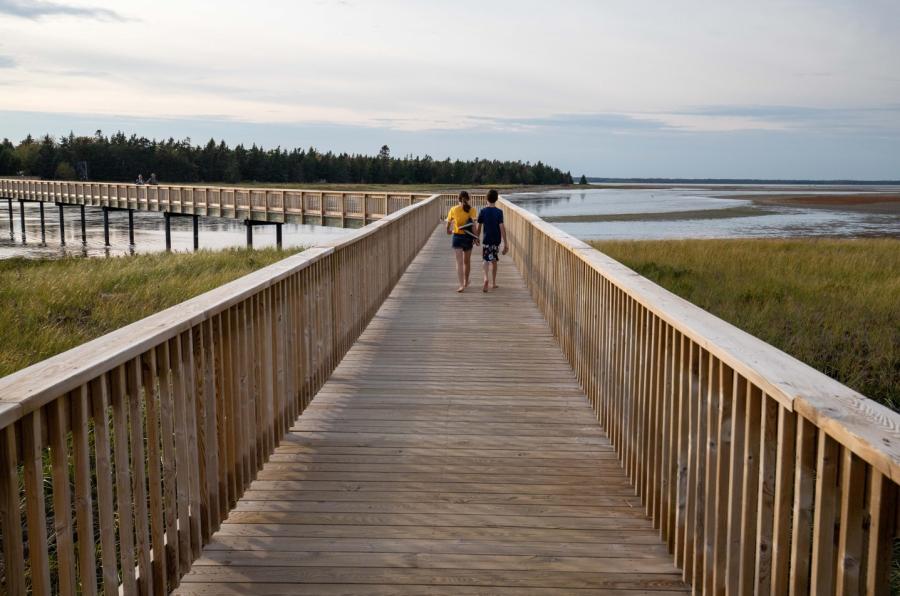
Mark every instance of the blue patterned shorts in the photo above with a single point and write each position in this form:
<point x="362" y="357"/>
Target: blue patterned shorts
<point x="490" y="253"/>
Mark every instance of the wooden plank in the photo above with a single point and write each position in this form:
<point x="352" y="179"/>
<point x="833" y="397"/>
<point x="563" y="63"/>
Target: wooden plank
<point x="139" y="476"/>
<point x="106" y="505"/>
<point x="10" y="514"/>
<point x="152" y="404"/>
<point x="169" y="466"/>
<point x="766" y="496"/>
<point x="850" y="537"/>
<point x="749" y="505"/>
<point x="57" y="433"/>
<point x="124" y="501"/>
<point x="84" y="506"/>
<point x="804" y="493"/>
<point x="822" y="575"/>
<point x="35" y="514"/>
<point x="882" y="504"/>
<point x="390" y="471"/>
<point x="784" y="499"/>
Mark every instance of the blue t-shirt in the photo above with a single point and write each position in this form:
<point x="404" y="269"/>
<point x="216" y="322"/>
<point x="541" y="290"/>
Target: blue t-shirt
<point x="490" y="219"/>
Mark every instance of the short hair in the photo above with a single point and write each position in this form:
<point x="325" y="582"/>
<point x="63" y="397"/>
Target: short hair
<point x="492" y="196"/>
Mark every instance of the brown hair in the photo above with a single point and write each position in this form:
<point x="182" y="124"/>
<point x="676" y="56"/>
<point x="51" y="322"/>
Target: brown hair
<point x="492" y="196"/>
<point x="464" y="199"/>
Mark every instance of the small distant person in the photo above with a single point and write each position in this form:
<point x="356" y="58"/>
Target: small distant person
<point x="140" y="180"/>
<point x="152" y="180"/>
<point x="492" y="232"/>
<point x="461" y="224"/>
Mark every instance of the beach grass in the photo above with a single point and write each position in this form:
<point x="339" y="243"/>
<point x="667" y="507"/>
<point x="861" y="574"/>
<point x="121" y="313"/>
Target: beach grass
<point x="832" y="303"/>
<point x="50" y="306"/>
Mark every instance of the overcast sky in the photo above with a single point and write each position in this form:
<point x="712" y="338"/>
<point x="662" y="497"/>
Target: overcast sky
<point x="693" y="88"/>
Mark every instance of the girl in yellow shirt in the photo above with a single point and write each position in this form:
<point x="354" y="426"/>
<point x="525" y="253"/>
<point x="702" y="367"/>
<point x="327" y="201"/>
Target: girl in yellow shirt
<point x="460" y="224"/>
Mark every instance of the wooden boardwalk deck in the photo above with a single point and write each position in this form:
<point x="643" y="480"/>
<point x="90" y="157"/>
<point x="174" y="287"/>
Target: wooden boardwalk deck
<point x="452" y="452"/>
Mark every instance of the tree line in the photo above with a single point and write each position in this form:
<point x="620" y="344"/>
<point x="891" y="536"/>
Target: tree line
<point x="120" y="158"/>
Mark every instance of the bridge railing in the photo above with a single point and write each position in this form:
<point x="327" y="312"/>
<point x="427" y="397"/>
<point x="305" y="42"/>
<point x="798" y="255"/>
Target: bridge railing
<point x="763" y="475"/>
<point x="141" y="441"/>
<point x="262" y="204"/>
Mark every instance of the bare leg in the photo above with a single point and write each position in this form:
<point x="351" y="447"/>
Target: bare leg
<point x="468" y="266"/>
<point x="494" y="273"/>
<point x="484" y="288"/>
<point x="460" y="270"/>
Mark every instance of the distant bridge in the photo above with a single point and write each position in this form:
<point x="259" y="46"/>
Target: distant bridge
<point x="252" y="206"/>
<point x="342" y="422"/>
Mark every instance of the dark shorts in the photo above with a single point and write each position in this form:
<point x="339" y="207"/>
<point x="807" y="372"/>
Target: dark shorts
<point x="462" y="242"/>
<point x="490" y="253"/>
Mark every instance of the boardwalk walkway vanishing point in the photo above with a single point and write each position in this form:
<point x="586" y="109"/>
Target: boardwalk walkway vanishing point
<point x="434" y="464"/>
<point x="343" y="422"/>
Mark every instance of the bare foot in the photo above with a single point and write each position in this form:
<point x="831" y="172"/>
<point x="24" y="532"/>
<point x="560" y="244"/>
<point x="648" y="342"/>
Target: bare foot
<point x="461" y="289"/>
<point x="484" y="288"/>
<point x="494" y="287"/>
<point x="467" y="284"/>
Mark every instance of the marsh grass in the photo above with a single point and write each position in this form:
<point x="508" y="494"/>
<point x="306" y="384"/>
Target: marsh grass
<point x="50" y="306"/>
<point x="834" y="304"/>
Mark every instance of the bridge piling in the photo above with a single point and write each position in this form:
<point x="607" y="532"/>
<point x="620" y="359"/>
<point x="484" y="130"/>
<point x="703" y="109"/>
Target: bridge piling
<point x="22" y="218"/>
<point x="168" y="218"/>
<point x="43" y="224"/>
<point x="83" y="227"/>
<point x="131" y="227"/>
<point x="105" y="226"/>
<point x="62" y="225"/>
<point x="195" y="220"/>
<point x="11" y="218"/>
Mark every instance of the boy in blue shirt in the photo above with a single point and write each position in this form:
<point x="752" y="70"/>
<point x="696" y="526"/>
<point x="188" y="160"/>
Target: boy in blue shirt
<point x="490" y="223"/>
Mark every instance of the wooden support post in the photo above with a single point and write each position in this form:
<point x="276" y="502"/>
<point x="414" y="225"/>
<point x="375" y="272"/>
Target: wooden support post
<point x="22" y="218"/>
<point x="131" y="227"/>
<point x="43" y="223"/>
<point x="249" y="225"/>
<point x="62" y="224"/>
<point x="11" y="218"/>
<point x="168" y="217"/>
<point x="106" y="226"/>
<point x="278" y="236"/>
<point x="83" y="226"/>
<point x="196" y="222"/>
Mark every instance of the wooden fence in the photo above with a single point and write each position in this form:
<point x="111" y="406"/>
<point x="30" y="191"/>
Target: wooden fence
<point x="323" y="207"/>
<point x="142" y="441"/>
<point x="763" y="475"/>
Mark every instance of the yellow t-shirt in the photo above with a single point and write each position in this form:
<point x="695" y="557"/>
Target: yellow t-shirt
<point x="461" y="218"/>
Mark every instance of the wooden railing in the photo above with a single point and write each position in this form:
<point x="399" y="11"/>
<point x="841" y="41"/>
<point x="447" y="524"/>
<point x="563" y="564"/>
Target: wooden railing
<point x="259" y="204"/>
<point x="763" y="475"/>
<point x="141" y="441"/>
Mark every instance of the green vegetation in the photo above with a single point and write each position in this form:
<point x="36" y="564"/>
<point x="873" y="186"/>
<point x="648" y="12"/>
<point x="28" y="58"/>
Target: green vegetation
<point x="121" y="158"/>
<point x="830" y="303"/>
<point x="50" y="306"/>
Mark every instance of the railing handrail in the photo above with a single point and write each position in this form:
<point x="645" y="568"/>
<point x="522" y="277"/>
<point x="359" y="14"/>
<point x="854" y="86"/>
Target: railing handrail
<point x="869" y="429"/>
<point x="33" y="387"/>
<point x="201" y="186"/>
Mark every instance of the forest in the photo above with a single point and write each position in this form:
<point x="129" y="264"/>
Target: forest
<point x="121" y="158"/>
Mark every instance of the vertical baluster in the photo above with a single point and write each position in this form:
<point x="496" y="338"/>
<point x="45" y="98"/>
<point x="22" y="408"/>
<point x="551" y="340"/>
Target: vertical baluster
<point x="10" y="514"/>
<point x="766" y="494"/>
<point x="57" y="432"/>
<point x="152" y="404"/>
<point x="106" y="505"/>
<point x="35" y="514"/>
<point x="183" y="455"/>
<point x="882" y="507"/>
<point x="124" y="501"/>
<point x="824" y="515"/>
<point x="784" y="495"/>
<point x="804" y="492"/>
<point x="850" y="538"/>
<point x="169" y="466"/>
<point x="139" y="476"/>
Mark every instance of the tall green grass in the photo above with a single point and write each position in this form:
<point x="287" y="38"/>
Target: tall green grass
<point x="834" y="304"/>
<point x="49" y="306"/>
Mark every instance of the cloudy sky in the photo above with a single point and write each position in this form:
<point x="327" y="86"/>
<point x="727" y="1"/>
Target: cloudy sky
<point x="692" y="88"/>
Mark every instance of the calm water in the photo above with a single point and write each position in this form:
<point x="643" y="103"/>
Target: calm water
<point x="149" y="233"/>
<point x="706" y="213"/>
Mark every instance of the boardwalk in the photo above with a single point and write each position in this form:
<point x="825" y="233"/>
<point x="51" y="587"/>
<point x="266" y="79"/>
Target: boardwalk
<point x="451" y="452"/>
